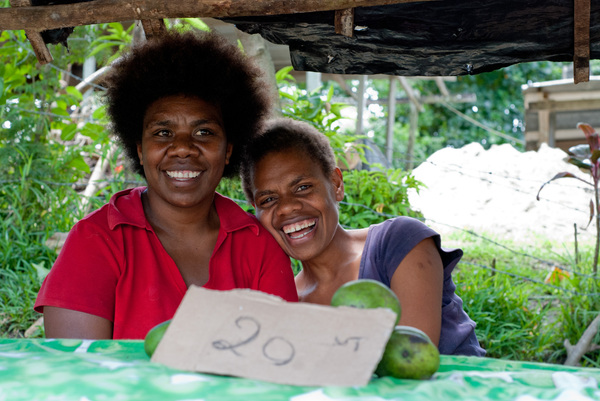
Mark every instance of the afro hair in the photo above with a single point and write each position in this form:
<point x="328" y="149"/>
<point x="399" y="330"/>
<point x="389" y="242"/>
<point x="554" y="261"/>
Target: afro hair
<point x="200" y="64"/>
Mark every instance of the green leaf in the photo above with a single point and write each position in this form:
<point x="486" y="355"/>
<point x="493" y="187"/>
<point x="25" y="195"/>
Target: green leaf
<point x="579" y="163"/>
<point x="73" y="91"/>
<point x="78" y="163"/>
<point x="68" y="132"/>
<point x="336" y="109"/>
<point x="99" y="113"/>
<point x="61" y="104"/>
<point x="284" y="74"/>
<point x="330" y="93"/>
<point x="93" y="131"/>
<point x="287" y="96"/>
<point x="100" y="47"/>
<point x="197" y="23"/>
<point x="60" y="111"/>
<point x="41" y="270"/>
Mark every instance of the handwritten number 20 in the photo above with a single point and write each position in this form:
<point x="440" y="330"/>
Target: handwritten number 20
<point x="275" y="355"/>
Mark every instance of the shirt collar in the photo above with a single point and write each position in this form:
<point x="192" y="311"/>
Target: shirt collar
<point x="233" y="217"/>
<point x="125" y="207"/>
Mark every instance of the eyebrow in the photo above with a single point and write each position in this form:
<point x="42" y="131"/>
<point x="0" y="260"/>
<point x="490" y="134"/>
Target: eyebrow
<point x="262" y="193"/>
<point x="196" y="123"/>
<point x="295" y="181"/>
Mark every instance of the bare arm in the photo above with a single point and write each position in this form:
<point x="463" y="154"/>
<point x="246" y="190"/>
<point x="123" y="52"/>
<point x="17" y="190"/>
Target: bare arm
<point x="67" y="323"/>
<point x="418" y="284"/>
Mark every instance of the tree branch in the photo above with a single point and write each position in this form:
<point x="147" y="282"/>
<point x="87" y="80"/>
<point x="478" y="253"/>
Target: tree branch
<point x="584" y="345"/>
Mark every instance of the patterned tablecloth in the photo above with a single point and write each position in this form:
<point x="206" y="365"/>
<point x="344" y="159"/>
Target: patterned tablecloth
<point x="75" y="370"/>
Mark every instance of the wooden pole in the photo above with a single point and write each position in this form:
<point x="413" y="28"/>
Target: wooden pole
<point x="412" y="136"/>
<point x="360" y="106"/>
<point x="35" y="36"/>
<point x="389" y="144"/>
<point x="581" y="45"/>
<point x="344" y="22"/>
<point x="153" y="27"/>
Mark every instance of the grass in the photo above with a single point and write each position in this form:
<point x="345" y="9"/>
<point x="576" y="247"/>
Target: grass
<point x="522" y="312"/>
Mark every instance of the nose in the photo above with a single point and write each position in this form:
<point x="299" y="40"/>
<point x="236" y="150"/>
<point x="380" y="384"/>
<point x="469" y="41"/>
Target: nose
<point x="183" y="146"/>
<point x="288" y="205"/>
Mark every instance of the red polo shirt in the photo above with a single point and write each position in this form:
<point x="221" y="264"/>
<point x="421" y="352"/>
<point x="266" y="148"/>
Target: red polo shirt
<point x="114" y="266"/>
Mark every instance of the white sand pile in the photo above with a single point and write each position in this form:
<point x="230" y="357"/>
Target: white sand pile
<point x="494" y="192"/>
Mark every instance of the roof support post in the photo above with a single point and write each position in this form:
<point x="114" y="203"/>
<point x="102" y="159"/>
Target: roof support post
<point x="35" y="38"/>
<point x="581" y="45"/>
<point x="344" y="22"/>
<point x="360" y="105"/>
<point x="153" y="27"/>
<point x="389" y="140"/>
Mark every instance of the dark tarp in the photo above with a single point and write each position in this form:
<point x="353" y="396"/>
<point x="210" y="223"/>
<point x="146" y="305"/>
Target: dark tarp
<point x="436" y="38"/>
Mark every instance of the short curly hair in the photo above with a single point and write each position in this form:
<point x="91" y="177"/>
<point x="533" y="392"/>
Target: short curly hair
<point x="191" y="63"/>
<point x="281" y="134"/>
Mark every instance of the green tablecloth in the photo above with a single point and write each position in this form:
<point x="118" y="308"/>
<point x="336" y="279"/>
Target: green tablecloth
<point x="57" y="370"/>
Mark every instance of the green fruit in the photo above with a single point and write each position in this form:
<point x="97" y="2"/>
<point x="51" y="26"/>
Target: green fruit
<point x="409" y="354"/>
<point x="366" y="293"/>
<point x="154" y="336"/>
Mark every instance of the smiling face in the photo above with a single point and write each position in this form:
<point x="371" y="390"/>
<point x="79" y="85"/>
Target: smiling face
<point x="183" y="151"/>
<point x="297" y="202"/>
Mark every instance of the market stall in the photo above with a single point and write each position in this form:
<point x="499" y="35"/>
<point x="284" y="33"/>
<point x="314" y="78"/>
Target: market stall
<point x="65" y="370"/>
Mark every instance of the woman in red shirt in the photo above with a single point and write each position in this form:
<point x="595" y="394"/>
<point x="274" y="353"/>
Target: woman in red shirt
<point x="182" y="106"/>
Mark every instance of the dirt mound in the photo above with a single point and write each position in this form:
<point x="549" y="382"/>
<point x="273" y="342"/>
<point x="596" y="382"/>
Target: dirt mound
<point x="494" y="191"/>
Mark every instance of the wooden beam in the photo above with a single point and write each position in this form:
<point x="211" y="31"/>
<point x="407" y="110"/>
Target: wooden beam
<point x="35" y="37"/>
<point x="344" y="22"/>
<point x="103" y="11"/>
<point x="153" y="27"/>
<point x="588" y="104"/>
<point x="432" y="99"/>
<point x="581" y="46"/>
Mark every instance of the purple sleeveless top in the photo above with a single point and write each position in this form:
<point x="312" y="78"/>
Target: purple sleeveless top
<point x="387" y="244"/>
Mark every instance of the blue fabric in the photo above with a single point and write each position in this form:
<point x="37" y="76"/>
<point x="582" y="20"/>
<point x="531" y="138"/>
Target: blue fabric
<point x="387" y="245"/>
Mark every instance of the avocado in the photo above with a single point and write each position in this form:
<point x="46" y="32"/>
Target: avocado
<point x="409" y="354"/>
<point x="154" y="336"/>
<point x="367" y="293"/>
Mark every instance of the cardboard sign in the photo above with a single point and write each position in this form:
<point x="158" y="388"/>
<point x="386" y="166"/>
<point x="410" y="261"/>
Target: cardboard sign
<point x="254" y="335"/>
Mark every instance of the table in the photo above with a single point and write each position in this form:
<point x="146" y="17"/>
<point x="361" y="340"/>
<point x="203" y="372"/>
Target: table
<point x="76" y="370"/>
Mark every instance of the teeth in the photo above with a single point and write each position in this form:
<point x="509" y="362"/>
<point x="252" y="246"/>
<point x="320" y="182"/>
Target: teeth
<point x="292" y="228"/>
<point x="183" y="174"/>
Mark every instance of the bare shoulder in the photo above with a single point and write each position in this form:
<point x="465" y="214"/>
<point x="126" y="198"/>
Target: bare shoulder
<point x="359" y="234"/>
<point x="426" y="247"/>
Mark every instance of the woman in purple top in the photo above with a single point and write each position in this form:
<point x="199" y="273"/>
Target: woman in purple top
<point x="289" y="174"/>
